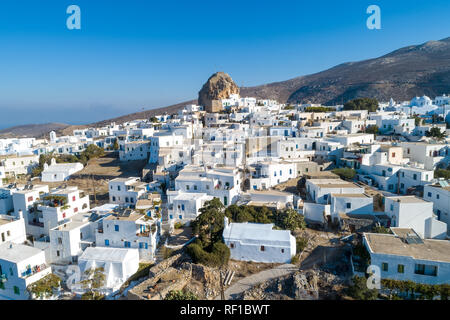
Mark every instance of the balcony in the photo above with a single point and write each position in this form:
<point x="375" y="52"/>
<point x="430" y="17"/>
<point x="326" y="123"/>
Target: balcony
<point x="30" y="271"/>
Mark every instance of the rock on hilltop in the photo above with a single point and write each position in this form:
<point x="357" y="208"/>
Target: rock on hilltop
<point x="219" y="86"/>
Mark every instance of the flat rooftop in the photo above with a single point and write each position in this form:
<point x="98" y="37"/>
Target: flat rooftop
<point x="432" y="250"/>
<point x="270" y="192"/>
<point x="15" y="253"/>
<point x="408" y="199"/>
<point x="350" y="195"/>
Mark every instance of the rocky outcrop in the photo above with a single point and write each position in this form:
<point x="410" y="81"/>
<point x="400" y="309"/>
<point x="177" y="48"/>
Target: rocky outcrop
<point x="302" y="285"/>
<point x="219" y="86"/>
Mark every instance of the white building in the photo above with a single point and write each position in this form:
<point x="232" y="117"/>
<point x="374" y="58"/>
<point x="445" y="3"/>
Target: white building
<point x="185" y="206"/>
<point x="58" y="172"/>
<point x="320" y="190"/>
<point x="126" y="190"/>
<point x="415" y="213"/>
<point x="439" y="194"/>
<point x="12" y="229"/>
<point x="44" y="211"/>
<point x="129" y="229"/>
<point x="118" y="265"/>
<point x="258" y="242"/>
<point x="220" y="182"/>
<point x="404" y="256"/>
<point x="267" y="174"/>
<point x="20" y="266"/>
<point x="15" y="165"/>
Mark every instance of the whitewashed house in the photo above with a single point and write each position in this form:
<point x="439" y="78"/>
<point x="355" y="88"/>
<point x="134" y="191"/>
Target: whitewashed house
<point x="58" y="172"/>
<point x="320" y="190"/>
<point x="118" y="264"/>
<point x="185" y="206"/>
<point x="415" y="213"/>
<point x="129" y="229"/>
<point x="439" y="194"/>
<point x="126" y="190"/>
<point x="267" y="174"/>
<point x="258" y="242"/>
<point x="12" y="229"/>
<point x="20" y="266"/>
<point x="405" y="256"/>
<point x="15" y="165"/>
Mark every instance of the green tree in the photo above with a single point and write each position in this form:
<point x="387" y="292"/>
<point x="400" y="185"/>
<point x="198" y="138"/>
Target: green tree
<point x="442" y="173"/>
<point x="91" y="152"/>
<point x="368" y="104"/>
<point x="372" y="129"/>
<point x="209" y="223"/>
<point x="319" y="109"/>
<point x="435" y="132"/>
<point x="290" y="219"/>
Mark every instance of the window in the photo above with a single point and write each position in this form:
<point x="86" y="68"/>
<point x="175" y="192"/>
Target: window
<point x="401" y="268"/>
<point x="262" y="248"/>
<point x="106" y="242"/>
<point x="182" y="207"/>
<point x="429" y="194"/>
<point x="232" y="245"/>
<point x="282" y="250"/>
<point x="195" y="187"/>
<point x="59" y="240"/>
<point x="57" y="253"/>
<point x="126" y="199"/>
<point x="187" y="187"/>
<point x="384" y="266"/>
<point x="118" y="188"/>
<point x="427" y="270"/>
<point x="127" y="244"/>
<point x="415" y="176"/>
<point x="437" y="196"/>
<point x="16" y="290"/>
<point x="349" y="205"/>
<point x="113" y="198"/>
<point x="116" y="227"/>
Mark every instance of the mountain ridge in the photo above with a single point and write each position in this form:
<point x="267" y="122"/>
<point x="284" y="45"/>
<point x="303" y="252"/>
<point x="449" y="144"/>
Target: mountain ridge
<point x="422" y="69"/>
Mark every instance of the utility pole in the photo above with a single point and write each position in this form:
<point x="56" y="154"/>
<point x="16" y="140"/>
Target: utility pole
<point x="94" y="189"/>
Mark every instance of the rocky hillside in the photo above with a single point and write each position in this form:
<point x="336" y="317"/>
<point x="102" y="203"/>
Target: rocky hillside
<point x="32" y="130"/>
<point x="410" y="71"/>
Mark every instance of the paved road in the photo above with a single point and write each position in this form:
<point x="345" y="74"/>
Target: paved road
<point x="244" y="284"/>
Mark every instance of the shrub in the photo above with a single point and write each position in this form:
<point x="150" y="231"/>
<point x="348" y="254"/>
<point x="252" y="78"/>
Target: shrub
<point x="44" y="287"/>
<point x="219" y="255"/>
<point x="358" y="290"/>
<point x="180" y="295"/>
<point x="302" y="242"/>
<point x="345" y="173"/>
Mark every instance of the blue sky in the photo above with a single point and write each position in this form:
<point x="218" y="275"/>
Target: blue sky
<point x="132" y="54"/>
